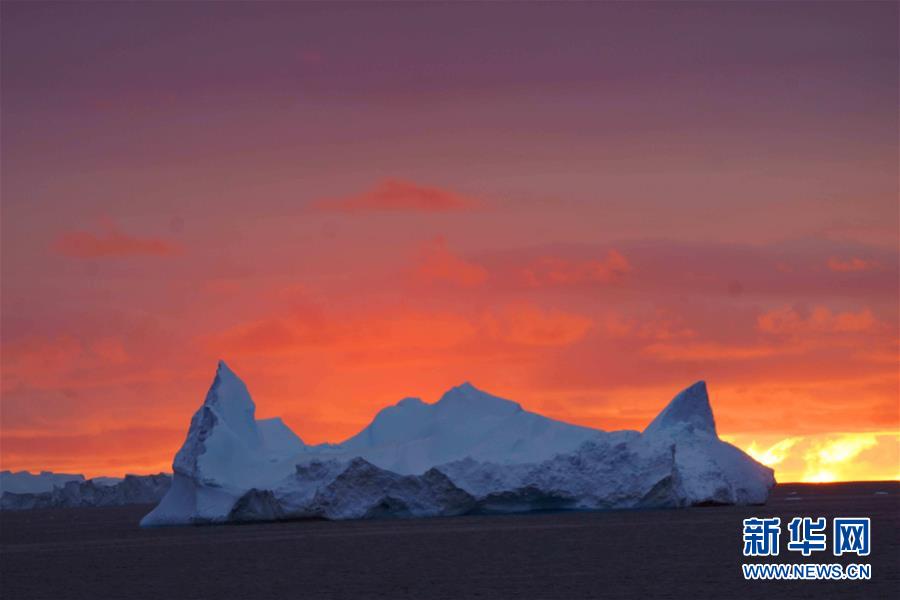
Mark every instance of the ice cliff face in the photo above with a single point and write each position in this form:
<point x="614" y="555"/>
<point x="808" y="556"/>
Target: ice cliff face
<point x="468" y="452"/>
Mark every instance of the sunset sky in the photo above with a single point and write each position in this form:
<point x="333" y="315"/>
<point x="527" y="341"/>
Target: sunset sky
<point x="582" y="207"/>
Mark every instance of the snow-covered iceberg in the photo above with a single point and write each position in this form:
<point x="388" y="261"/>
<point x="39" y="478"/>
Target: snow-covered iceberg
<point x="468" y="452"/>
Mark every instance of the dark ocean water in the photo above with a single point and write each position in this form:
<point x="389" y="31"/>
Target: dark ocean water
<point x="691" y="553"/>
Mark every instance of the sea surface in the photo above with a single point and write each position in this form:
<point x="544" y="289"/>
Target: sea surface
<point x="689" y="553"/>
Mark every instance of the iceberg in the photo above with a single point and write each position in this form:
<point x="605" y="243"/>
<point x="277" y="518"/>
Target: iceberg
<point x="100" y="491"/>
<point x="470" y="452"/>
<point x="23" y="482"/>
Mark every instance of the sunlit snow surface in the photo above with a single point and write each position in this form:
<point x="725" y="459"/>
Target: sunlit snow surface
<point x="468" y="452"/>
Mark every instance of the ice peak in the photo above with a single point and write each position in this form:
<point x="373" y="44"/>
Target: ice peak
<point x="410" y="401"/>
<point x="690" y="407"/>
<point x="229" y="397"/>
<point x="467" y="397"/>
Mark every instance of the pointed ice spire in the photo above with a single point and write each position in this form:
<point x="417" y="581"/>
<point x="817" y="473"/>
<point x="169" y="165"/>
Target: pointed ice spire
<point x="690" y="407"/>
<point x="229" y="398"/>
<point x="227" y="414"/>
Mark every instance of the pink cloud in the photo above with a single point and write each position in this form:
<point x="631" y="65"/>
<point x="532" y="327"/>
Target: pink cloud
<point x="112" y="243"/>
<point x="397" y="195"/>
<point x="788" y="320"/>
<point x="658" y="325"/>
<point x="438" y="263"/>
<point x="850" y="265"/>
<point x="710" y="351"/>
<point x="530" y="325"/>
<point x="110" y="350"/>
<point x="555" y="271"/>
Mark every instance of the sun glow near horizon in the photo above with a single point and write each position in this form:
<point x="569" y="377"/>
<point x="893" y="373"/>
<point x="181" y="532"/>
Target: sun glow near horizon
<point x="827" y="457"/>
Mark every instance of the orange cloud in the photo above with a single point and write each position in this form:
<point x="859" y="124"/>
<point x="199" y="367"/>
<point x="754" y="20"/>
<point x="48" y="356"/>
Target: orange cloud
<point x="67" y="362"/>
<point x="409" y="331"/>
<point x="267" y="336"/>
<point x="397" y="195"/>
<point x="34" y="359"/>
<point x="660" y="326"/>
<point x="112" y="243"/>
<point x="125" y="449"/>
<point x="110" y="350"/>
<point x="804" y="329"/>
<point x="850" y="265"/>
<point x="438" y="263"/>
<point x="302" y="324"/>
<point x="532" y="326"/>
<point x="554" y="271"/>
<point x="788" y="320"/>
<point x="325" y="343"/>
<point x="711" y="351"/>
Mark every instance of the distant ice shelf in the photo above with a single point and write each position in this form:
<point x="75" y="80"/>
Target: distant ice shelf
<point x="22" y="490"/>
<point x="470" y="452"/>
<point x="23" y="482"/>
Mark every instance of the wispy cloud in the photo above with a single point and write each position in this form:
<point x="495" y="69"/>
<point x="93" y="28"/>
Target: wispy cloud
<point x="111" y="243"/>
<point x="850" y="264"/>
<point x="405" y="333"/>
<point x="700" y="351"/>
<point x="557" y="271"/>
<point x="788" y="320"/>
<point x="438" y="264"/>
<point x="530" y="325"/>
<point x="398" y="195"/>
